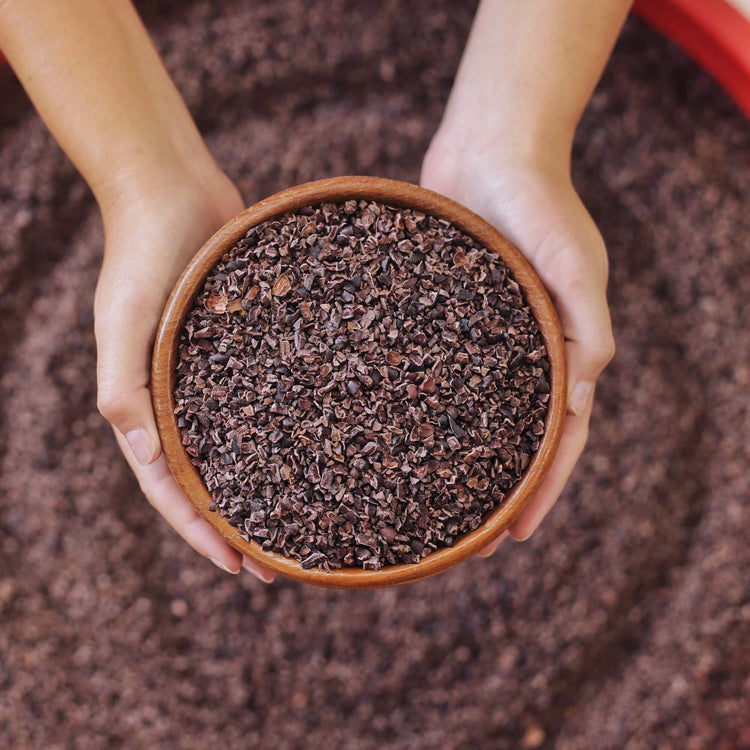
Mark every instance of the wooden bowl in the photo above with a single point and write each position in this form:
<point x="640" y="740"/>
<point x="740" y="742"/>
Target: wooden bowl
<point x="395" y="194"/>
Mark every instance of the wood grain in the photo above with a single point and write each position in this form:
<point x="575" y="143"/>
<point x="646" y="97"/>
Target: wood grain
<point x="396" y="194"/>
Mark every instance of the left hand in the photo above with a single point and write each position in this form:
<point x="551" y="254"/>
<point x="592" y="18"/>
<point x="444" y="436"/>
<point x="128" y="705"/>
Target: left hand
<point x="536" y="207"/>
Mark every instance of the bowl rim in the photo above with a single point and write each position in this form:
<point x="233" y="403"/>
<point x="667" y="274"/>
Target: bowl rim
<point x="396" y="194"/>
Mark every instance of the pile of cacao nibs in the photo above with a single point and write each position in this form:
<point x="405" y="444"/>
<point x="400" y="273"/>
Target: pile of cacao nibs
<point x="359" y="385"/>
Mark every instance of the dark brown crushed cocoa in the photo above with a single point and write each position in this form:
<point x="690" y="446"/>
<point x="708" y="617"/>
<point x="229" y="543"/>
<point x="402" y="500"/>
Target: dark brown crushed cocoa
<point x="359" y="385"/>
<point x="622" y="623"/>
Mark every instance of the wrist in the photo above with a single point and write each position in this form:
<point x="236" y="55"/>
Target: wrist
<point x="175" y="206"/>
<point x="470" y="144"/>
<point x="155" y="227"/>
<point x="138" y="179"/>
<point x="477" y="170"/>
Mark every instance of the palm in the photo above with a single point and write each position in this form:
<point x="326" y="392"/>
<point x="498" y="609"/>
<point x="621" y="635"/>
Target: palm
<point x="148" y="246"/>
<point x="543" y="216"/>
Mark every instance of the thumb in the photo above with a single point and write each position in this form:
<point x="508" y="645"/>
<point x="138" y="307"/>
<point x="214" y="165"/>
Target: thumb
<point x="124" y="327"/>
<point x="574" y="268"/>
<point x="589" y="342"/>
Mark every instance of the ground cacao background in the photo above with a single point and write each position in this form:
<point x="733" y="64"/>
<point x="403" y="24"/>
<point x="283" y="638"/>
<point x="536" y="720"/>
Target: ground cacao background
<point x="624" y="622"/>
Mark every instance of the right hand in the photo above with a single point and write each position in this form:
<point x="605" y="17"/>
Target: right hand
<point x="149" y="241"/>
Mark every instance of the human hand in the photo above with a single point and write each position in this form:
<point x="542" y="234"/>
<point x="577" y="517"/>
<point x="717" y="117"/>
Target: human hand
<point x="503" y="150"/>
<point x="536" y="207"/>
<point x="149" y="240"/>
<point x="97" y="80"/>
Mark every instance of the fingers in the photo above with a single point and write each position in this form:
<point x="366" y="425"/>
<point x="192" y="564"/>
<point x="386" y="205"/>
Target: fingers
<point x="492" y="546"/>
<point x="124" y="330"/>
<point x="576" y="278"/>
<point x="572" y="442"/>
<point x="259" y="571"/>
<point x="579" y="290"/>
<point x="163" y="492"/>
<point x="586" y="360"/>
<point x="544" y="217"/>
<point x="580" y="295"/>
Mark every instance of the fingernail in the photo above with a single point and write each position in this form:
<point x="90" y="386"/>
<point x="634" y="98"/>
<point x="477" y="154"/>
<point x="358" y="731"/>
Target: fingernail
<point x="524" y="538"/>
<point x="220" y="564"/>
<point x="579" y="399"/>
<point x="494" y="545"/>
<point x="141" y="444"/>
<point x="502" y="538"/>
<point x="260" y="575"/>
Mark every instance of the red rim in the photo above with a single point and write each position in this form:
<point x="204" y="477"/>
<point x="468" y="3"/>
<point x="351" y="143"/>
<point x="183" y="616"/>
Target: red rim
<point x="713" y="33"/>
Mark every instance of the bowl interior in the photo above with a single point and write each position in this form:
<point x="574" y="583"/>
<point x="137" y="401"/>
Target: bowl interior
<point x="398" y="194"/>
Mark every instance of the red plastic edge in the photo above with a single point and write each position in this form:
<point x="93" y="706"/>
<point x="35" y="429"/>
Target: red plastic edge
<point x="713" y="33"/>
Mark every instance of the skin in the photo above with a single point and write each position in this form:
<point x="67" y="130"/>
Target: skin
<point x="502" y="149"/>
